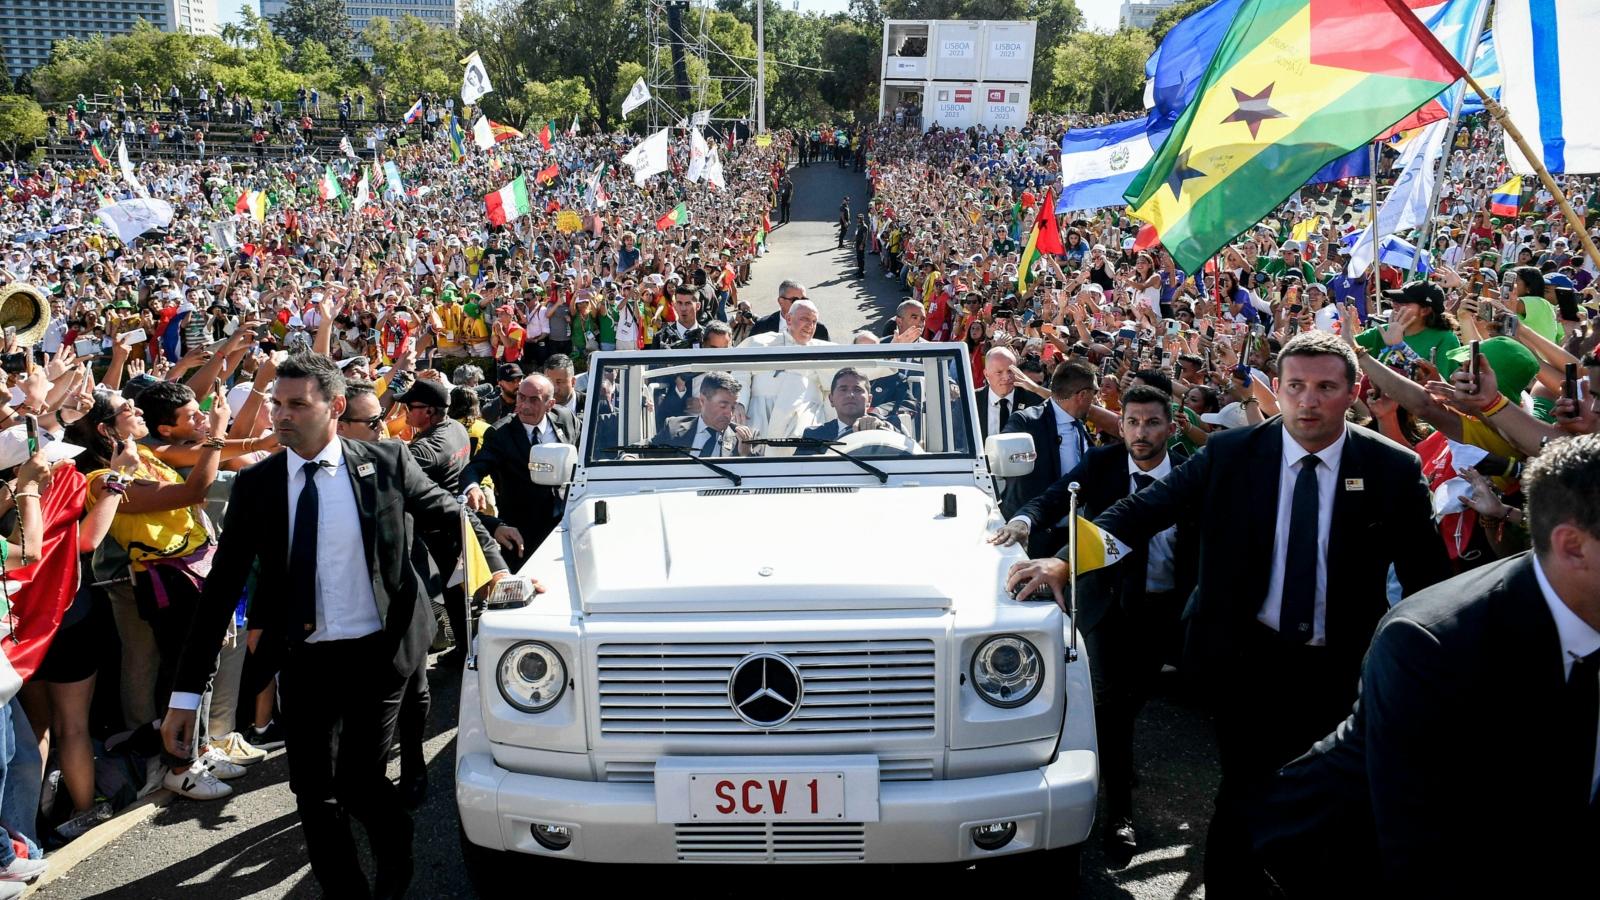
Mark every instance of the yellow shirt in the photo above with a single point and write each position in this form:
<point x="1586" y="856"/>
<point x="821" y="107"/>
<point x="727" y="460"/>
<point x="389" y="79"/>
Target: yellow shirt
<point x="474" y="330"/>
<point x="167" y="534"/>
<point x="474" y="255"/>
<point x="450" y="316"/>
<point x="1479" y="433"/>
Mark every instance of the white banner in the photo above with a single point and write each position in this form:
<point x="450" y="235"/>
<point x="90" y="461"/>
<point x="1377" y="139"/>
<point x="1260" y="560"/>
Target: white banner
<point x="649" y="157"/>
<point x="131" y="218"/>
<point x="638" y="95"/>
<point x="124" y="164"/>
<point x="697" y="155"/>
<point x="475" y="80"/>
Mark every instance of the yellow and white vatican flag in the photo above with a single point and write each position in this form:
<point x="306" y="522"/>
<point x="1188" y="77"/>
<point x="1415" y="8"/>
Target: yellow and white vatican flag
<point x="1097" y="548"/>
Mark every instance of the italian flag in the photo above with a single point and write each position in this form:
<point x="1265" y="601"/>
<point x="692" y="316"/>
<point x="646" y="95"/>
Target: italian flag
<point x="328" y="187"/>
<point x="678" y="216"/>
<point x="509" y="202"/>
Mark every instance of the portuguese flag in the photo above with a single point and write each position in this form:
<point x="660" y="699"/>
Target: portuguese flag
<point x="509" y="202"/>
<point x="678" y="216"/>
<point x="1044" y="238"/>
<point x="1294" y="85"/>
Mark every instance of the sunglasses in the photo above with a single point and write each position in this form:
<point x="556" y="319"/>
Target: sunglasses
<point x="373" y="422"/>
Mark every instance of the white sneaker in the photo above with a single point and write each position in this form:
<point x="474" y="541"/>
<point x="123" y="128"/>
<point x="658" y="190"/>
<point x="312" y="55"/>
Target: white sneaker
<point x="10" y="890"/>
<point x="217" y="761"/>
<point x="25" y="871"/>
<point x="197" y="784"/>
<point x="239" y="751"/>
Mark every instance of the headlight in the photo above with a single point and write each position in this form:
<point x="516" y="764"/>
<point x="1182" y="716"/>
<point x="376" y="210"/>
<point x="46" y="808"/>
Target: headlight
<point x="1007" y="671"/>
<point x="532" y="676"/>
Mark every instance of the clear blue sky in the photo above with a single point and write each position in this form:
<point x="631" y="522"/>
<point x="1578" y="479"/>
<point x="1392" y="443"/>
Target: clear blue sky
<point x="1099" y="13"/>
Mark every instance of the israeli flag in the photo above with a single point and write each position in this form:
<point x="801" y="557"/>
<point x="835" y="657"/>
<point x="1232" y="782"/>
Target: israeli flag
<point x="1098" y="164"/>
<point x="1544" y="48"/>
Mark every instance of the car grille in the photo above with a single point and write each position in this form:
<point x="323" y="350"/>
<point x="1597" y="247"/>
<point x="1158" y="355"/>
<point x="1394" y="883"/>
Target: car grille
<point x="851" y="687"/>
<point x="770" y="842"/>
<point x="643" y="771"/>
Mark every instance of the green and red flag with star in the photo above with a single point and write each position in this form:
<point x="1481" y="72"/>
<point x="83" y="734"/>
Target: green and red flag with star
<point x="1294" y="85"/>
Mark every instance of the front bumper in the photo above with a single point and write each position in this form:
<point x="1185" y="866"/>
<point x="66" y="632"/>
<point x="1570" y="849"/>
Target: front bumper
<point x="918" y="821"/>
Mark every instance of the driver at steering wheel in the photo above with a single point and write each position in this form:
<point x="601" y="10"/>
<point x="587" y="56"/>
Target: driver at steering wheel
<point x="848" y="394"/>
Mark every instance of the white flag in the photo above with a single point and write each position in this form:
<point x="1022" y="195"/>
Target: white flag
<point x="131" y="218"/>
<point x="475" y="80"/>
<point x="649" y="157"/>
<point x="714" y="167"/>
<point x="1546" y="71"/>
<point x="701" y="119"/>
<point x="1406" y="207"/>
<point x="224" y="235"/>
<point x="697" y="156"/>
<point x="126" y="166"/>
<point x="363" y="193"/>
<point x="482" y="135"/>
<point x="574" y="129"/>
<point x="638" y="95"/>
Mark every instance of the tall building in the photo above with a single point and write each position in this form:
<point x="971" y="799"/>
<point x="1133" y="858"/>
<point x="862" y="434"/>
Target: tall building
<point x="30" y="28"/>
<point x="1143" y="15"/>
<point x="360" y="12"/>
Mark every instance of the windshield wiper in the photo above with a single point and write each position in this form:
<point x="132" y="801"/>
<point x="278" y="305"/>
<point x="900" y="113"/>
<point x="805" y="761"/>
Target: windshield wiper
<point x="685" y="452"/>
<point x="830" y="446"/>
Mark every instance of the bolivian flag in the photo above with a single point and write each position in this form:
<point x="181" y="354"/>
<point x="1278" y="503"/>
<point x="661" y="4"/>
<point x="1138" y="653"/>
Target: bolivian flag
<point x="1294" y="85"/>
<point x="1507" y="198"/>
<point x="1097" y="548"/>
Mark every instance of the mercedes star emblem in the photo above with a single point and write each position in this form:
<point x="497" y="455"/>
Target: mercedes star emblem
<point x="765" y="690"/>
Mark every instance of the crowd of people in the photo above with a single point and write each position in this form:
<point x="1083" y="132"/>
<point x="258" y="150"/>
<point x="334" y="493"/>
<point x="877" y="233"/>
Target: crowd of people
<point x="274" y="313"/>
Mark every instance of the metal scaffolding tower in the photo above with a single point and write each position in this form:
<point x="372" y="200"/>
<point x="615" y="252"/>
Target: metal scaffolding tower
<point x="735" y="97"/>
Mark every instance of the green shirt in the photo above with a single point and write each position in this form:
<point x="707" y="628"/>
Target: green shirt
<point x="1540" y="315"/>
<point x="1432" y="344"/>
<point x="1276" y="268"/>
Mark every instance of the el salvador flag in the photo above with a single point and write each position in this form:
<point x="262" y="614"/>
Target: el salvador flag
<point x="1098" y="164"/>
<point x="1545" y="49"/>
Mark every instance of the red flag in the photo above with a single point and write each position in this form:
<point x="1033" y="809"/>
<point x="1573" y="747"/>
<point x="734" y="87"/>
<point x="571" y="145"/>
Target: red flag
<point x="1146" y="238"/>
<point x="544" y="135"/>
<point x="52" y="582"/>
<point x="1049" y="239"/>
<point x="548" y="173"/>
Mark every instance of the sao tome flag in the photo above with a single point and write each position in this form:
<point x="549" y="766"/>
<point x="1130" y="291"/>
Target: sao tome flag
<point x="1294" y="85"/>
<point x="678" y="216"/>
<point x="509" y="202"/>
<point x="1507" y="198"/>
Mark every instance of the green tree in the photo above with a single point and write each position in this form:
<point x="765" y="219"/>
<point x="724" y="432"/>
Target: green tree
<point x="1100" y="72"/>
<point x="1174" y="14"/>
<point x="323" y="21"/>
<point x="414" y="57"/>
<point x="554" y="101"/>
<point x="850" y="50"/>
<point x="21" y="122"/>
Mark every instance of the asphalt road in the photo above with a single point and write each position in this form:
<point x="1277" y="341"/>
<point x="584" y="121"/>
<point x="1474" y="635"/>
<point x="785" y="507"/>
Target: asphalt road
<point x="251" y="846"/>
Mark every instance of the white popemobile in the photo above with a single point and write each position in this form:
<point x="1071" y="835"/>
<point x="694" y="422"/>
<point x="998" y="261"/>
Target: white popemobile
<point x="793" y="648"/>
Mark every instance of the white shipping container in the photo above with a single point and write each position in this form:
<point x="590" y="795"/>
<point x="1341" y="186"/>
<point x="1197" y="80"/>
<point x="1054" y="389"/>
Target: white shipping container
<point x="1008" y="52"/>
<point x="957" y="51"/>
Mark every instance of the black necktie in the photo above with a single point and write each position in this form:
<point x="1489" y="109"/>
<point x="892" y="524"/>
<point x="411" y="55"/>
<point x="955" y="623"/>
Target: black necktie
<point x="1300" y="562"/>
<point x="1142" y="481"/>
<point x="1005" y="412"/>
<point x="709" y="448"/>
<point x="1083" y="437"/>
<point x="1582" y="709"/>
<point x="303" y="557"/>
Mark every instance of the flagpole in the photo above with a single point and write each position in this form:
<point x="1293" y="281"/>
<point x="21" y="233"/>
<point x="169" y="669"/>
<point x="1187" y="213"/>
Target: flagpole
<point x="1072" y="596"/>
<point x="1372" y="226"/>
<point x="1450" y="134"/>
<point x="1573" y="220"/>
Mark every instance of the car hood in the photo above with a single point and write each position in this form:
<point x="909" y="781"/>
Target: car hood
<point x="782" y="549"/>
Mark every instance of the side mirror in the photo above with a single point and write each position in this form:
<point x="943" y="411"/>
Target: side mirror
<point x="1010" y="455"/>
<point x="552" y="464"/>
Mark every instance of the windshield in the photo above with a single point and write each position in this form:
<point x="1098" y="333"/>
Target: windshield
<point x="880" y="401"/>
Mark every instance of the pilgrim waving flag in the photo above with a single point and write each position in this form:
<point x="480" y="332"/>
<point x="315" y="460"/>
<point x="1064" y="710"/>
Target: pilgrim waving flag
<point x="1044" y="238"/>
<point x="482" y="134"/>
<point x="676" y="216"/>
<point x="475" y="80"/>
<point x="255" y="203"/>
<point x="94" y="150"/>
<point x="414" y="113"/>
<point x="547" y="174"/>
<point x="638" y="95"/>
<point x="458" y="144"/>
<point x="1294" y="85"/>
<point x="544" y="136"/>
<point x="328" y="185"/>
<point x="573" y="131"/>
<point x="509" y="202"/>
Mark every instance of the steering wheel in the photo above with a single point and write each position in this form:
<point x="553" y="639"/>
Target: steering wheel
<point x="879" y="442"/>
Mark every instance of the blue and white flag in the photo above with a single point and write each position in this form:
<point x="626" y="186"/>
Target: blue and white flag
<point x="1544" y="52"/>
<point x="1397" y="253"/>
<point x="1406" y="207"/>
<point x="1485" y="71"/>
<point x="1098" y="164"/>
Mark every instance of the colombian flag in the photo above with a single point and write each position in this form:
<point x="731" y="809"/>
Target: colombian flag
<point x="1294" y="85"/>
<point x="1507" y="198"/>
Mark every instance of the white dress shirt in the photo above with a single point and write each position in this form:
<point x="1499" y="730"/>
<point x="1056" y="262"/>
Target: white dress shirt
<point x="346" y="607"/>
<point x="701" y="432"/>
<point x="1578" y="639"/>
<point x="543" y="433"/>
<point x="1327" y="482"/>
<point x="995" y="423"/>
<point x="1159" y="576"/>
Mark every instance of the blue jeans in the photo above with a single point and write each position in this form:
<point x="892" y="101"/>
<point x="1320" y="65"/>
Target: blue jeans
<point x="20" y="781"/>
